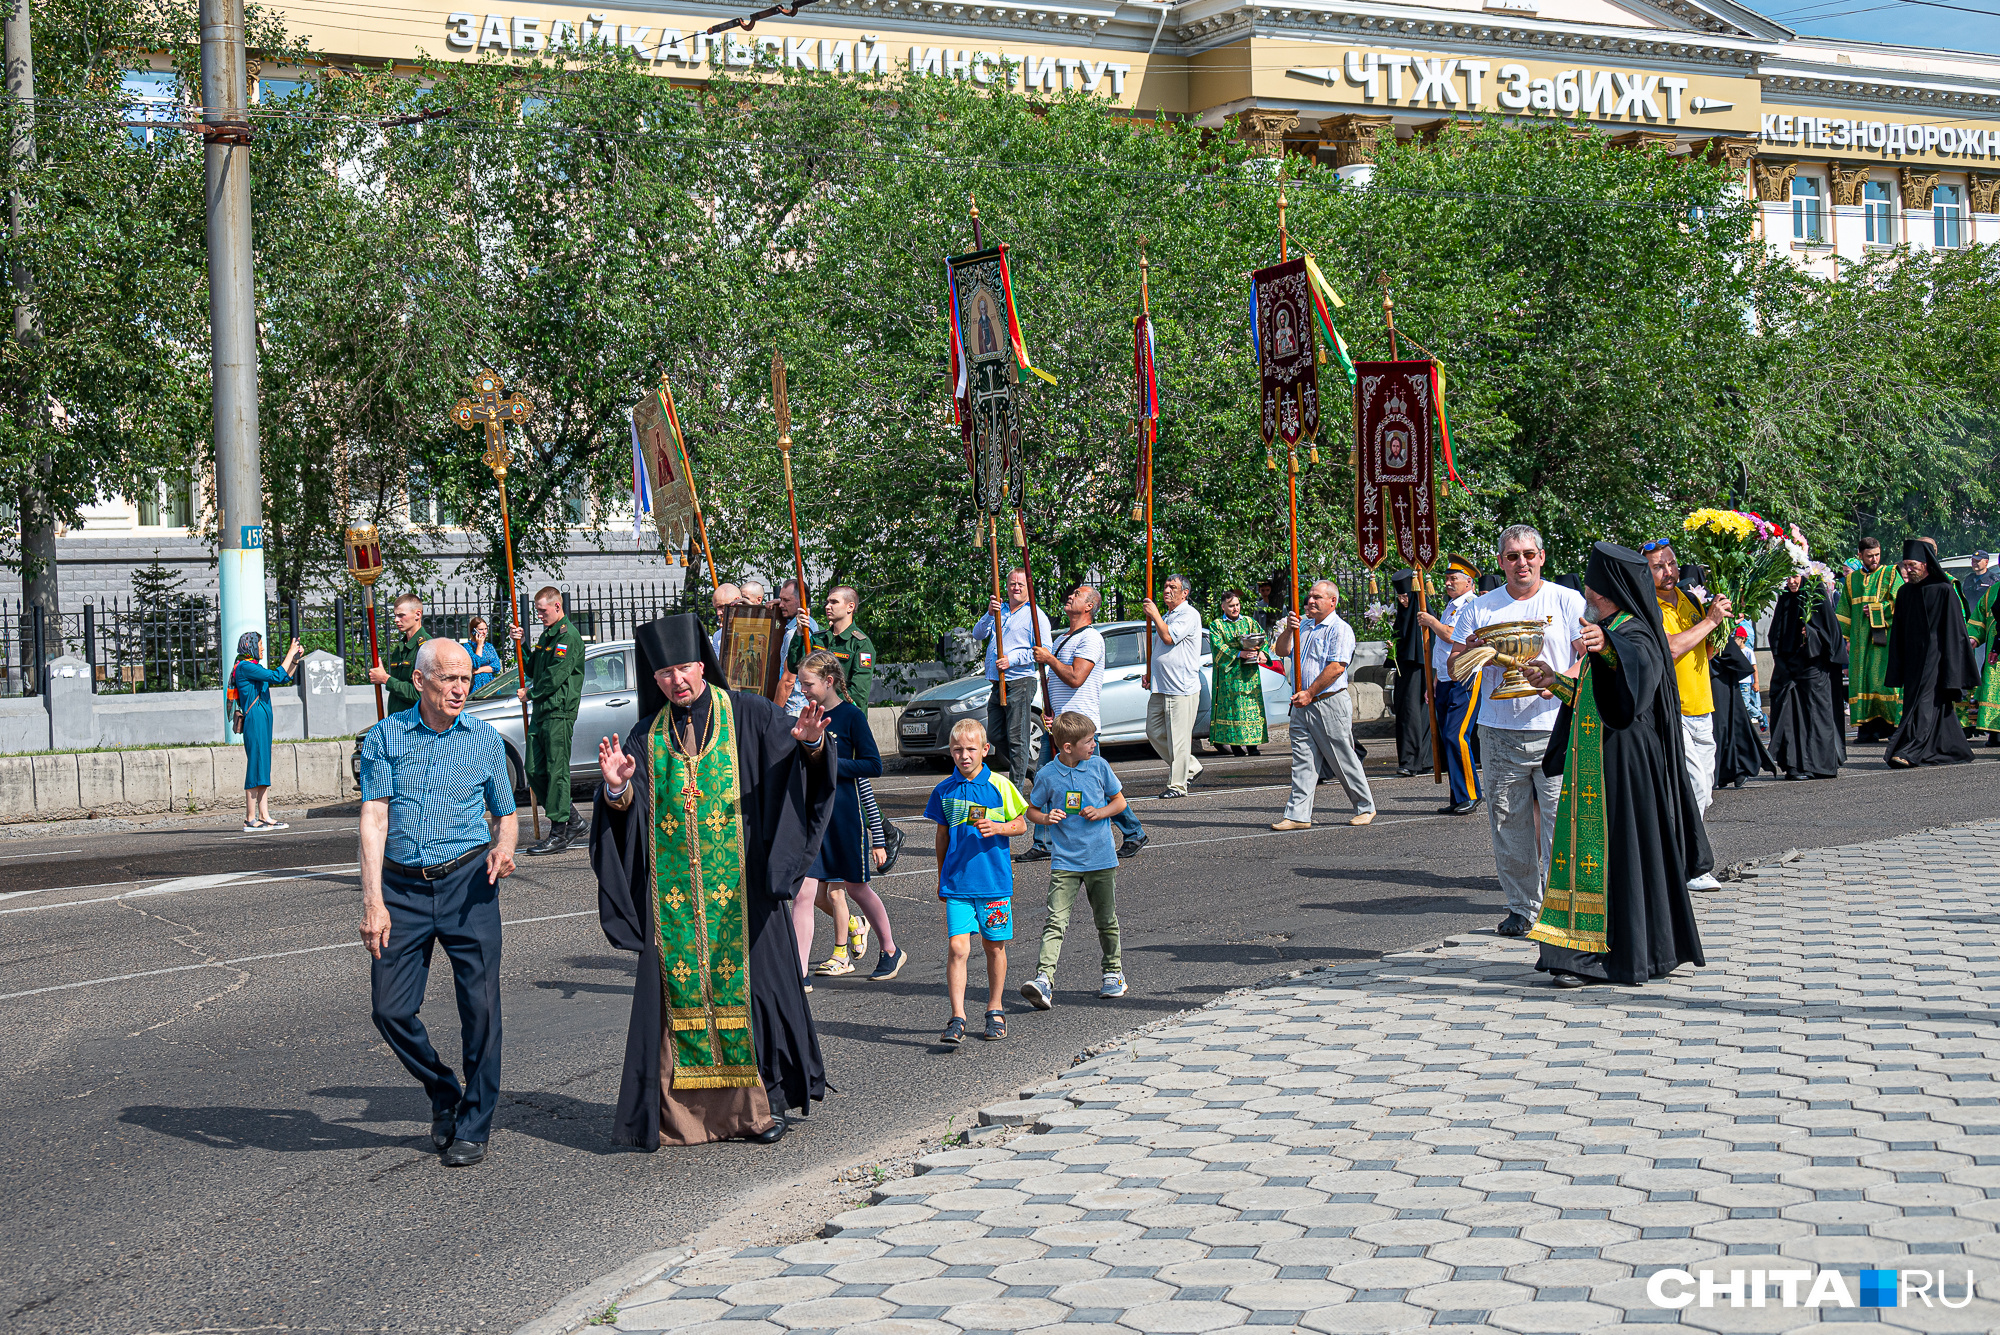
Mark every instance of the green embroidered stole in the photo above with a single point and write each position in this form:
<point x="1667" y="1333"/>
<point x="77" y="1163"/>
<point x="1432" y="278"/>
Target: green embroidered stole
<point x="698" y="902"/>
<point x="1573" y="907"/>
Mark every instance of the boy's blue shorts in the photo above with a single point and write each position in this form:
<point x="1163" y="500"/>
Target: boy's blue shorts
<point x="993" y="919"/>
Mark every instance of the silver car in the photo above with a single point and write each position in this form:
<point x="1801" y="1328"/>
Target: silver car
<point x="609" y="708"/>
<point x="924" y="731"/>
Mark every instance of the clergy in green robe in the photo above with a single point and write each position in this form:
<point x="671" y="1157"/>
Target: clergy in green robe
<point x="1866" y="609"/>
<point x="1984" y="626"/>
<point x="1237" y="716"/>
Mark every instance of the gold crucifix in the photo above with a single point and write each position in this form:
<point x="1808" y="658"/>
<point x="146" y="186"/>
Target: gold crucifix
<point x="489" y="408"/>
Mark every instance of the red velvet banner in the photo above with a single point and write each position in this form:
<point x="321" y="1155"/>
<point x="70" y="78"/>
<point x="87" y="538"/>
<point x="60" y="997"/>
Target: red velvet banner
<point x="1281" y="310"/>
<point x="1395" y="474"/>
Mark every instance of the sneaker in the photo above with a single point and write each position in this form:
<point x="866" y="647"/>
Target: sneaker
<point x="835" y="965"/>
<point x="1114" y="985"/>
<point x="807" y="983"/>
<point x="1034" y="853"/>
<point x="1132" y="846"/>
<point x="954" y="1032"/>
<point x="1039" y="992"/>
<point x="1704" y="882"/>
<point x="888" y="966"/>
<point x="857" y="937"/>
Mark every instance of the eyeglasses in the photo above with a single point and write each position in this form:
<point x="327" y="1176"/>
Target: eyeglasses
<point x="1656" y="544"/>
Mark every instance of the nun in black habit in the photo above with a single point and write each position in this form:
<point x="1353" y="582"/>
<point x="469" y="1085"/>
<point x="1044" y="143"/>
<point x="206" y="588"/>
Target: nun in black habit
<point x="786" y="774"/>
<point x="1808" y="738"/>
<point x="1930" y="658"/>
<point x="1646" y="839"/>
<point x="1413" y="715"/>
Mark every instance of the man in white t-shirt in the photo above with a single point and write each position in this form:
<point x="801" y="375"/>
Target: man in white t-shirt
<point x="1322" y="718"/>
<point x="1075" y="663"/>
<point x="1514" y="734"/>
<point x="1175" y="683"/>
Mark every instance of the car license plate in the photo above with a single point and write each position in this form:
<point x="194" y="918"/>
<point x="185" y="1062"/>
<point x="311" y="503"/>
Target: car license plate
<point x="915" y="729"/>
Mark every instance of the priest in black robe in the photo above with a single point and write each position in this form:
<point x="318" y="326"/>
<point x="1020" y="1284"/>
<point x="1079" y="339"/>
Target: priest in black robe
<point x="714" y="877"/>
<point x="1629" y="835"/>
<point x="1413" y="714"/>
<point x="1808" y="652"/>
<point x="1930" y="658"/>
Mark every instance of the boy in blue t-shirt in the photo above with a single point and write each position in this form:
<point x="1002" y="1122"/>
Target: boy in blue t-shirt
<point x="975" y="872"/>
<point x="1077" y="794"/>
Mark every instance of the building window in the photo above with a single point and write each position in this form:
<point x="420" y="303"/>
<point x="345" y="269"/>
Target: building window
<point x="1806" y="216"/>
<point x="166" y="503"/>
<point x="152" y="96"/>
<point x="427" y="508"/>
<point x="272" y="90"/>
<point x="1878" y="210"/>
<point x="1947" y="217"/>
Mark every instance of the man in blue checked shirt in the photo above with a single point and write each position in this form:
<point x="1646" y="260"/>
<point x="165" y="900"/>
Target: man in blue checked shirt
<point x="1011" y="631"/>
<point x="437" y="834"/>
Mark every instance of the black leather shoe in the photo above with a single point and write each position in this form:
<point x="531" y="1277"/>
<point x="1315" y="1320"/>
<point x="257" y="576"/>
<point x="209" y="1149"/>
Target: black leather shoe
<point x="444" y="1128"/>
<point x="556" y="841"/>
<point x="1464" y="808"/>
<point x="892" y="848"/>
<point x="771" y="1135"/>
<point x="1406" y="773"/>
<point x="465" y="1153"/>
<point x="1513" y="925"/>
<point x="1131" y="846"/>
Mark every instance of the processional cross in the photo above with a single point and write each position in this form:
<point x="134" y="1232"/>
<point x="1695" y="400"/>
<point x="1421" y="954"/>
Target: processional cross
<point x="489" y="408"/>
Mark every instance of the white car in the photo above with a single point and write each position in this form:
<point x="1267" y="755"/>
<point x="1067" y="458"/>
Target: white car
<point x="924" y="731"/>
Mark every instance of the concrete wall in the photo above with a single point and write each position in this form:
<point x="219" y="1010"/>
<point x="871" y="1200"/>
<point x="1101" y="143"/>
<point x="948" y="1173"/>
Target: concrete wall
<point x="119" y="783"/>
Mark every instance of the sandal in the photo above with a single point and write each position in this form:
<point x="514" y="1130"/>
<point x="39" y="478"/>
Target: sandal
<point x="996" y="1026"/>
<point x="857" y="936"/>
<point x="954" y="1033"/>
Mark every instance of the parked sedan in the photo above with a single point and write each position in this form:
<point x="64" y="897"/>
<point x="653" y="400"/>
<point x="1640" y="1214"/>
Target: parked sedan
<point x="609" y="708"/>
<point x="924" y="730"/>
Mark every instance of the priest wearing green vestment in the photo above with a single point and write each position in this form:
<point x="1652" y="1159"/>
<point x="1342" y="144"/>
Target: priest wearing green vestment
<point x="1628" y="831"/>
<point x="1866" y="610"/>
<point x="1236" y="718"/>
<point x="707" y="816"/>
<point x="1984" y="628"/>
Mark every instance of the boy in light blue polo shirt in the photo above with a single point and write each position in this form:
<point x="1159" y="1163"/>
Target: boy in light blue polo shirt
<point x="975" y="811"/>
<point x="1076" y="795"/>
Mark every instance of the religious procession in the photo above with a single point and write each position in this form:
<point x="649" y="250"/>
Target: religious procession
<point x="1186" y="667"/>
<point x="1594" y="715"/>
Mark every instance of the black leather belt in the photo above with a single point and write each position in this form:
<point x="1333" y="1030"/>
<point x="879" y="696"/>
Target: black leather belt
<point x="436" y="871"/>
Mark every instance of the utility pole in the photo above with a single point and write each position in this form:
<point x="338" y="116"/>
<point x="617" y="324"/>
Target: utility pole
<point x="38" y="525"/>
<point x="232" y="323"/>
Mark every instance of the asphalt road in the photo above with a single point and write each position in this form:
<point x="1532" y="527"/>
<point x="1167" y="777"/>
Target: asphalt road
<point x="200" y="1129"/>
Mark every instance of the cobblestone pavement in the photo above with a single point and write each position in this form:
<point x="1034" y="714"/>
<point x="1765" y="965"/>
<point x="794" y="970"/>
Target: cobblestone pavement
<point x="1439" y="1140"/>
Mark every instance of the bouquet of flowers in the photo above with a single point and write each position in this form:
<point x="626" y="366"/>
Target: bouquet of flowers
<point x="1749" y="558"/>
<point x="1377" y="617"/>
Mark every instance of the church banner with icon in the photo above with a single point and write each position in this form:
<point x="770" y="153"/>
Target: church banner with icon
<point x="1281" y="315"/>
<point x="1395" y="474"/>
<point x="668" y="486"/>
<point x="989" y="360"/>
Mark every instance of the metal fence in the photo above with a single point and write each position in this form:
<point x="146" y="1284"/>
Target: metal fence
<point x="175" y="644"/>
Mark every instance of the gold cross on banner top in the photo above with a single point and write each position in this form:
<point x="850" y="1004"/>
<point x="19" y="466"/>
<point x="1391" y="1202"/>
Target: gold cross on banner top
<point x="488" y="408"/>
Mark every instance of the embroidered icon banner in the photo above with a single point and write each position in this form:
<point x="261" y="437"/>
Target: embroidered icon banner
<point x="1395" y="473"/>
<point x="1281" y="309"/>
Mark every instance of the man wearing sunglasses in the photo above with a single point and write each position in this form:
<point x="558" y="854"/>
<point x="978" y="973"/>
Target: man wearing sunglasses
<point x="1514" y="733"/>
<point x="1688" y="627"/>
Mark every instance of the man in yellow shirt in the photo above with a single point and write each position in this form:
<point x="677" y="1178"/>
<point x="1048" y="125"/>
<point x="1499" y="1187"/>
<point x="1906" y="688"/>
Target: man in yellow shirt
<point x="1688" y="627"/>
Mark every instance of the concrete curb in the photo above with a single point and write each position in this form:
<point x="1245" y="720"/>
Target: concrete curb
<point x="74" y="785"/>
<point x="575" y="1311"/>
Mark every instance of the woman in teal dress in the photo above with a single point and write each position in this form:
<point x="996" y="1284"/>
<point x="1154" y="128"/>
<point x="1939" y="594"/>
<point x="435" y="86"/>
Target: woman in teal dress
<point x="252" y="682"/>
<point x="1236" y="719"/>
